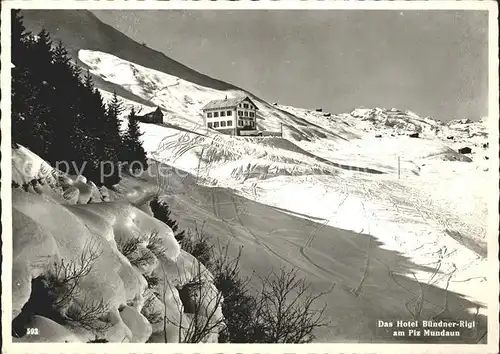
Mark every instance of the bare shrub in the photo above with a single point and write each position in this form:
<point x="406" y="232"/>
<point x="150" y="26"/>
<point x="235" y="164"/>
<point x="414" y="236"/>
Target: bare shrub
<point x="89" y="314"/>
<point x="64" y="278"/>
<point x="152" y="280"/>
<point x="137" y="256"/>
<point x="155" y="244"/>
<point x="129" y="247"/>
<point x="197" y="243"/>
<point x="285" y="311"/>
<point x="238" y="306"/>
<point x="56" y="296"/>
<point x="195" y="301"/>
<point x="153" y="317"/>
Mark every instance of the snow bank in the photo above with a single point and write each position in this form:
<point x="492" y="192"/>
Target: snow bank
<point x="49" y="231"/>
<point x="220" y="159"/>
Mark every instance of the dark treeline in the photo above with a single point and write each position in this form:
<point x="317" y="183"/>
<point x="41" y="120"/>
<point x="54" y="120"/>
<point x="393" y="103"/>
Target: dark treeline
<point x="59" y="114"/>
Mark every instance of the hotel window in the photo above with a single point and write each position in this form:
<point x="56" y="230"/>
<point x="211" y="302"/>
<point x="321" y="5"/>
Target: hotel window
<point x="223" y="123"/>
<point x="222" y="114"/>
<point x="252" y="124"/>
<point x="252" y="114"/>
<point x="245" y="105"/>
<point x="240" y="123"/>
<point x="229" y="113"/>
<point x="246" y="114"/>
<point x="216" y="114"/>
<point x="240" y="113"/>
<point x="209" y="115"/>
<point x="229" y="123"/>
<point x="216" y="124"/>
<point x="210" y="124"/>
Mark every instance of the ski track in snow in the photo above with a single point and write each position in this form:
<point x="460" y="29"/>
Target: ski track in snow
<point x="416" y="215"/>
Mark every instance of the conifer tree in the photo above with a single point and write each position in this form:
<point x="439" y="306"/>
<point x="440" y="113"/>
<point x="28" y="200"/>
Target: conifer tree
<point x="27" y="129"/>
<point x="58" y="115"/>
<point x="21" y="88"/>
<point x="88" y="83"/>
<point x="133" y="153"/>
<point x="92" y="116"/>
<point x="112" y="141"/>
<point x="31" y="60"/>
<point x="39" y="57"/>
<point x="162" y="212"/>
<point x="66" y="128"/>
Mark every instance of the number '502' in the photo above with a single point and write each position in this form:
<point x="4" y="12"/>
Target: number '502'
<point x="32" y="331"/>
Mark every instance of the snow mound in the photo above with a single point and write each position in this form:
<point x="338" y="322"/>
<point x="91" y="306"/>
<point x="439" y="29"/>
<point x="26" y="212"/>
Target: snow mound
<point x="33" y="174"/>
<point x="220" y="158"/>
<point x="27" y="166"/>
<point x="48" y="233"/>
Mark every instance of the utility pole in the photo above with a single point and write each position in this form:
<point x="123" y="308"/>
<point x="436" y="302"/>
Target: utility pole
<point x="399" y="167"/>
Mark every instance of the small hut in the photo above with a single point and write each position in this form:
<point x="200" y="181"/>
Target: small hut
<point x="155" y="116"/>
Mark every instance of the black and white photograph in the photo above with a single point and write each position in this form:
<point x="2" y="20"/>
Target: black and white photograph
<point x="250" y="174"/>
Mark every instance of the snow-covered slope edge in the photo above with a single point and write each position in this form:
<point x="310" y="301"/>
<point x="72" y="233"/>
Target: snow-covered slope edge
<point x="64" y="221"/>
<point x="426" y="214"/>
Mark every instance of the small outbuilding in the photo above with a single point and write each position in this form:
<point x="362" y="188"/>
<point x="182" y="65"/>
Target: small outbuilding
<point x="465" y="150"/>
<point x="152" y="117"/>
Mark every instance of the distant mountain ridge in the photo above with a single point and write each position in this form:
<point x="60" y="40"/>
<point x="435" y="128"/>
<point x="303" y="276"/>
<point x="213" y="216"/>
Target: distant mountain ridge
<point x="82" y="32"/>
<point x="81" y="29"/>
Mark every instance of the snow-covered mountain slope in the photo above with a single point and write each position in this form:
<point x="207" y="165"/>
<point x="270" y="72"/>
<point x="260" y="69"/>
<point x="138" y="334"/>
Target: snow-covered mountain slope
<point x="181" y="102"/>
<point x="350" y="156"/>
<point x="359" y="170"/>
<point x="81" y="29"/>
<point x="181" y="99"/>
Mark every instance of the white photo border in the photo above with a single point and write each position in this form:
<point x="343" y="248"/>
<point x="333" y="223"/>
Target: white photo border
<point x="111" y="348"/>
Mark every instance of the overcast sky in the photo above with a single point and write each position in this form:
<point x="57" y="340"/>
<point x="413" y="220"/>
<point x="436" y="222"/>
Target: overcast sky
<point x="432" y="62"/>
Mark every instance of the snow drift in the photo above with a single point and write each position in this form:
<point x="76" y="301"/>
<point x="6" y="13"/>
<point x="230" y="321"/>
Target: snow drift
<point x="49" y="231"/>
